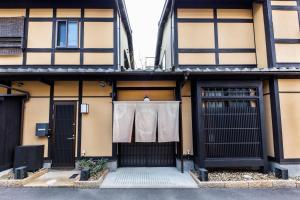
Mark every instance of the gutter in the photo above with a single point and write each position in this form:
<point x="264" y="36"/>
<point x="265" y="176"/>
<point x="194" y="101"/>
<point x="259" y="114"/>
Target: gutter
<point x="121" y="7"/>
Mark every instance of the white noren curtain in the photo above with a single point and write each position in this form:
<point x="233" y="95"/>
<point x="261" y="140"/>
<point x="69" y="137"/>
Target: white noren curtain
<point x="168" y="122"/>
<point x="123" y="122"/>
<point x="145" y="122"/>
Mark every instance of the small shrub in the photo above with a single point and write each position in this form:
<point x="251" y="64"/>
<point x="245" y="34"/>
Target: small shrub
<point x="95" y="166"/>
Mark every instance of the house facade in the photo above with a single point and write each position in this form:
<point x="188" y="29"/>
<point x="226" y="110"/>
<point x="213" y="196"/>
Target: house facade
<point x="242" y="60"/>
<point x="227" y="71"/>
<point x="49" y="44"/>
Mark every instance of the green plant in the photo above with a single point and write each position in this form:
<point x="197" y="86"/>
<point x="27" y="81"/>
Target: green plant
<point x="95" y="166"/>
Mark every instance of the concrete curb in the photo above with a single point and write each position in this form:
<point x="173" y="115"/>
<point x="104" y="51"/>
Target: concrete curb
<point x="91" y="184"/>
<point x="21" y="183"/>
<point x="247" y="184"/>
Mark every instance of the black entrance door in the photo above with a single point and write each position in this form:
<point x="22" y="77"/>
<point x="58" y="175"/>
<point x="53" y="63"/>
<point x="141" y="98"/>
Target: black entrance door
<point x="63" y="146"/>
<point x="146" y="155"/>
<point x="10" y="128"/>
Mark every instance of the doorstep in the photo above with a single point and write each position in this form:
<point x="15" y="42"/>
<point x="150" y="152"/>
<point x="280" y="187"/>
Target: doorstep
<point x="56" y="178"/>
<point x="143" y="177"/>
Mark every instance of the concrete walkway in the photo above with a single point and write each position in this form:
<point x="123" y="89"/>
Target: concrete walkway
<point x="55" y="178"/>
<point x="148" y="178"/>
<point x="147" y="194"/>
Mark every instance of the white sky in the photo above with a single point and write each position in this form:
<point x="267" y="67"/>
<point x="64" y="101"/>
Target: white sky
<point x="144" y="16"/>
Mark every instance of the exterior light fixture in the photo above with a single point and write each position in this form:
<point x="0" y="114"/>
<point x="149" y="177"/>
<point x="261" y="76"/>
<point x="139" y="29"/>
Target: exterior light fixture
<point x="84" y="109"/>
<point x="147" y="99"/>
<point x="102" y="83"/>
<point x="20" y="84"/>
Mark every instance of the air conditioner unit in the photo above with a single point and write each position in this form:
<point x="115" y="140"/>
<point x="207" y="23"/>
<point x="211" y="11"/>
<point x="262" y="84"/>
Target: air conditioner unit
<point x="30" y="156"/>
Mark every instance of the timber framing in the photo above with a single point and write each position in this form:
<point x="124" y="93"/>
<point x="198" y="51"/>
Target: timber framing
<point x="119" y="15"/>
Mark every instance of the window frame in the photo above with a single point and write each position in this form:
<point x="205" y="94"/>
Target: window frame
<point x="67" y="34"/>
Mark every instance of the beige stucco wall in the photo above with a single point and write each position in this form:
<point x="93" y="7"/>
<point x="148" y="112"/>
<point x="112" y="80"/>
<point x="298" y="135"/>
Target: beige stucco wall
<point x="36" y="110"/>
<point x="268" y="119"/>
<point x="38" y="59"/>
<point x="93" y="89"/>
<point x="98" y="59"/>
<point x="188" y="31"/>
<point x="97" y="127"/>
<point x="39" y="35"/>
<point x="3" y="90"/>
<point x="138" y="95"/>
<point x="41" y="13"/>
<point x="97" y="124"/>
<point x="289" y="94"/>
<point x="196" y="58"/>
<point x="287" y="53"/>
<point x="68" y="13"/>
<point x="187" y="131"/>
<point x="11" y="60"/>
<point x="12" y="12"/>
<point x="66" y="89"/>
<point x="103" y="31"/>
<point x="98" y="13"/>
<point x="286" y="26"/>
<point x="230" y="36"/>
<point x="195" y="13"/>
<point x="260" y="36"/>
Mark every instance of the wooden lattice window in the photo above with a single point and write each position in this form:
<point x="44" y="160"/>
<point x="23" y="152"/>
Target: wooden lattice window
<point x="231" y="122"/>
<point x="11" y="35"/>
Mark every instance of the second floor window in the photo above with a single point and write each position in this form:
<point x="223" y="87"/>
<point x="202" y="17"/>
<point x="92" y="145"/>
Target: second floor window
<point x="67" y="34"/>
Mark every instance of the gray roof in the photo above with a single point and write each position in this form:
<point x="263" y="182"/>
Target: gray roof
<point x="85" y="70"/>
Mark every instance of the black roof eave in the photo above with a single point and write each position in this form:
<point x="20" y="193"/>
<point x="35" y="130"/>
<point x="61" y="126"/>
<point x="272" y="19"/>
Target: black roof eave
<point x="146" y="75"/>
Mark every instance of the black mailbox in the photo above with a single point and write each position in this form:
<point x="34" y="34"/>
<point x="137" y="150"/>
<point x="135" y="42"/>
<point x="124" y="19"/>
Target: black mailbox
<point x="41" y="129"/>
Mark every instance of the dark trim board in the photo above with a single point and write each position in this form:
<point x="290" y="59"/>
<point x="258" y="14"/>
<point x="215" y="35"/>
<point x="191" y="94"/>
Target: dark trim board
<point x="276" y="119"/>
<point x="218" y="20"/>
<point x="199" y="138"/>
<point x="51" y="118"/>
<point x="198" y="50"/>
<point x="145" y="88"/>
<point x="288" y="161"/>
<point x="247" y="162"/>
<point x="268" y="21"/>
<point x="79" y="135"/>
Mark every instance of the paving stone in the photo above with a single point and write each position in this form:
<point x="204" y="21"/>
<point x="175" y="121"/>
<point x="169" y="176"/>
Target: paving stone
<point x="284" y="184"/>
<point x="260" y="184"/>
<point x="161" y="177"/>
<point x="219" y="184"/>
<point x="236" y="184"/>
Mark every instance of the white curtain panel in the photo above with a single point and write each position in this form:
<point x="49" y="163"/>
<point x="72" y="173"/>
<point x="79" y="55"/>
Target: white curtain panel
<point x="168" y="122"/>
<point x="145" y="122"/>
<point x="123" y="121"/>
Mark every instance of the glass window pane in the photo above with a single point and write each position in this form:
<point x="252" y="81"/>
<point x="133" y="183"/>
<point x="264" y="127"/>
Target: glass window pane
<point x="73" y="34"/>
<point x="61" y="34"/>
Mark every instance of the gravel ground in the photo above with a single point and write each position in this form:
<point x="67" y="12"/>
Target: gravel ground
<point x="97" y="176"/>
<point x="10" y="176"/>
<point x="297" y="178"/>
<point x="236" y="175"/>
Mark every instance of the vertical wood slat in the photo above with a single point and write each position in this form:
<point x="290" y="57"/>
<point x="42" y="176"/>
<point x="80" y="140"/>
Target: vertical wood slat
<point x="147" y="155"/>
<point x="231" y="127"/>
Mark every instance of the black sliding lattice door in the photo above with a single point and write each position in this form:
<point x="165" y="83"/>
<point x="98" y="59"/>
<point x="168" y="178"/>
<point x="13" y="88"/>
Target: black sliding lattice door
<point x="146" y="155"/>
<point x="63" y="146"/>
<point x="10" y="128"/>
<point x="231" y="129"/>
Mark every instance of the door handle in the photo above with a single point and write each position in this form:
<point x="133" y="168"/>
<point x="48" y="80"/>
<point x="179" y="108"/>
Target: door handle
<point x="70" y="138"/>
